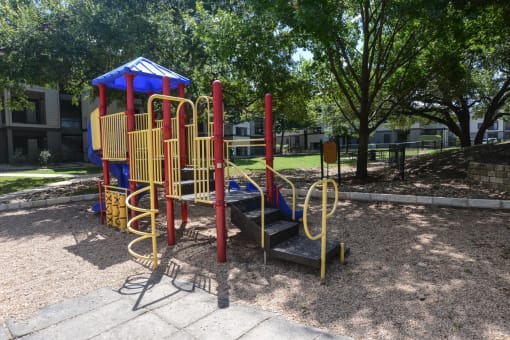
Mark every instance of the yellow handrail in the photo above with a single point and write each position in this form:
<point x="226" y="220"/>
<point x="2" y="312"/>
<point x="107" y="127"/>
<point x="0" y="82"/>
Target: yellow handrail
<point x="143" y="235"/>
<point x="293" y="188"/>
<point x="203" y="156"/>
<point x="262" y="223"/>
<point x="325" y="215"/>
<point x="208" y="101"/>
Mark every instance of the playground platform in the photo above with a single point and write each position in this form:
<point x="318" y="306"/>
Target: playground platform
<point x="157" y="308"/>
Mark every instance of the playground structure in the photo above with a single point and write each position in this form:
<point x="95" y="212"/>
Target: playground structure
<point x="173" y="153"/>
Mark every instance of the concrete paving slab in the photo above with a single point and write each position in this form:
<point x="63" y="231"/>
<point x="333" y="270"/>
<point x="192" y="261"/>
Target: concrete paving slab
<point x="285" y="330"/>
<point x="90" y="324"/>
<point x="4" y="335"/>
<point x="145" y="326"/>
<point x="181" y="335"/>
<point x="380" y="197"/>
<point x="450" y="201"/>
<point x="424" y="199"/>
<point x="402" y="199"/>
<point x="194" y="306"/>
<point x="484" y="203"/>
<point x="360" y="196"/>
<point x="154" y="295"/>
<point x="227" y="323"/>
<point x="62" y="311"/>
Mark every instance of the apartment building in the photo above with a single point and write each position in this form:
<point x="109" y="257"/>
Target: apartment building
<point x="52" y="123"/>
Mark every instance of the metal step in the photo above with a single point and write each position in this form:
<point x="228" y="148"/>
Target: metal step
<point x="270" y="215"/>
<point x="300" y="249"/>
<point x="280" y="231"/>
<point x="230" y="197"/>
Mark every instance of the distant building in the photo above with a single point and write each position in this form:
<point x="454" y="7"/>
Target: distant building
<point x="53" y="123"/>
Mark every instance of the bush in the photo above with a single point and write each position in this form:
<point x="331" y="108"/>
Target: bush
<point x="44" y="157"/>
<point x="18" y="158"/>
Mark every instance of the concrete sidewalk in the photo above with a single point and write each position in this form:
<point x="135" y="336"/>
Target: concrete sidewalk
<point x="156" y="307"/>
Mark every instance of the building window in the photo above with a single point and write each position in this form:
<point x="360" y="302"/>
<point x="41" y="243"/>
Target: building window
<point x="259" y="126"/>
<point x="494" y="126"/>
<point x="241" y="131"/>
<point x="72" y="148"/>
<point x="34" y="113"/>
<point x="387" y="138"/>
<point x="2" y="110"/>
<point x="70" y="115"/>
<point x="241" y="151"/>
<point x="29" y="143"/>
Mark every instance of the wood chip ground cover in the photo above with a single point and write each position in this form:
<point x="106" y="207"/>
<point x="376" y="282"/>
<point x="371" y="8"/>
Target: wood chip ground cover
<point x="414" y="271"/>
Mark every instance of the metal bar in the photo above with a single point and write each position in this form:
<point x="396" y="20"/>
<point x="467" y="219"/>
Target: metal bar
<point x="269" y="146"/>
<point x="221" y="232"/>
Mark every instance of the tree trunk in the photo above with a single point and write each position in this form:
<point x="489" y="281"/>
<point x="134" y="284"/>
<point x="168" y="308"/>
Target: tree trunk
<point x="464" y="121"/>
<point x="362" y="160"/>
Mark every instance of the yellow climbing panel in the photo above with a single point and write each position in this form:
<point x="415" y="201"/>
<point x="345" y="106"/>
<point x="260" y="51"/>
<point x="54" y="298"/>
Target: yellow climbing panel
<point x="114" y="136"/>
<point x="116" y="209"/>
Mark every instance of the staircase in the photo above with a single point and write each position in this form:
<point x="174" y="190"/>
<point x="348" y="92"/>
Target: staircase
<point x="282" y="236"/>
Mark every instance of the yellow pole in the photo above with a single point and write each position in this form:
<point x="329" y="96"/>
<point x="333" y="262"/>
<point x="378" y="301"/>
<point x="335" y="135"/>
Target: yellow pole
<point x="150" y="164"/>
<point x="342" y="252"/>
<point x="323" y="229"/>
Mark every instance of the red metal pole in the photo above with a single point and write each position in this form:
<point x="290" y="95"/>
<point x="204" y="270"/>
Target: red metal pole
<point x="182" y="147"/>
<point x="167" y="134"/>
<point x="102" y="112"/>
<point x="269" y="147"/>
<point x="130" y="112"/>
<point x="219" y="175"/>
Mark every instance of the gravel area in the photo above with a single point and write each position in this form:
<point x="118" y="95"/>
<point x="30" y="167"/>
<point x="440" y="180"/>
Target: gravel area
<point x="414" y="271"/>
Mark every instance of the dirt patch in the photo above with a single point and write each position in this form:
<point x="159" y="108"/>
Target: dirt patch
<point x="414" y="271"/>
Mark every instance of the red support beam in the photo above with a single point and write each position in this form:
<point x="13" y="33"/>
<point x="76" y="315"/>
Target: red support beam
<point x="167" y="134"/>
<point x="130" y="112"/>
<point x="269" y="147"/>
<point x="219" y="173"/>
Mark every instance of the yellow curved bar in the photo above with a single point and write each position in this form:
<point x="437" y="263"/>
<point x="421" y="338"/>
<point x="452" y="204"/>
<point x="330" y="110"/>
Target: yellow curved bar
<point x="208" y="100"/>
<point x="325" y="215"/>
<point x="291" y="186"/>
<point x="262" y="223"/>
<point x="305" y="212"/>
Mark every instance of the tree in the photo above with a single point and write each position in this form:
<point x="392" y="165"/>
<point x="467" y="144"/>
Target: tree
<point x="466" y="72"/>
<point x="368" y="47"/>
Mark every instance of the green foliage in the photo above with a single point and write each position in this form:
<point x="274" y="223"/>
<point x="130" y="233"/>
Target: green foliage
<point x="364" y="50"/>
<point x="465" y="71"/>
<point x="68" y="43"/>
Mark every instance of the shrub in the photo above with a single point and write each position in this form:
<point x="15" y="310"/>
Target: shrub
<point x="44" y="157"/>
<point x="18" y="158"/>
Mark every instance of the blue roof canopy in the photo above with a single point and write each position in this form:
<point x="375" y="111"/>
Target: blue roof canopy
<point x="148" y="76"/>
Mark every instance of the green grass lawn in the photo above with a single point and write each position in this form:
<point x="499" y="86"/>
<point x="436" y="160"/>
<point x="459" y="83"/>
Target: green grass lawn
<point x="283" y="163"/>
<point x="13" y="184"/>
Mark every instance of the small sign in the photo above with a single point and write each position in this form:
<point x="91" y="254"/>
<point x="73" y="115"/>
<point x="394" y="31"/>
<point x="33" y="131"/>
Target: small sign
<point x="329" y="149"/>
